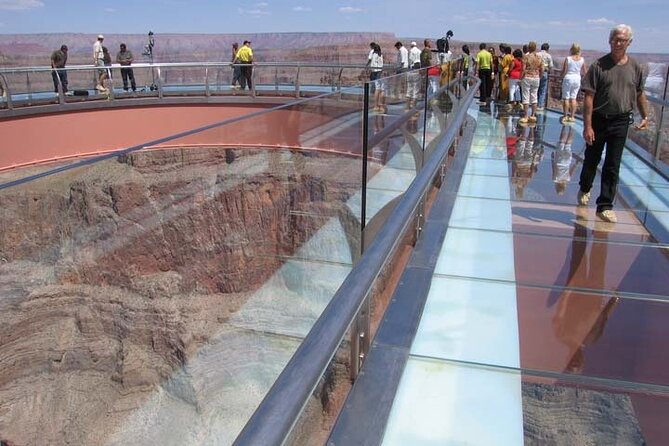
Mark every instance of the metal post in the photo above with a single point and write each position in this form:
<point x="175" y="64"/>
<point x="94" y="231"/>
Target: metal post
<point x="341" y="71"/>
<point x="159" y="86"/>
<point x="207" y="93"/>
<point x="661" y="119"/>
<point x="425" y="107"/>
<point x="360" y="326"/>
<point x="276" y="78"/>
<point x="297" y="82"/>
<point x="28" y="86"/>
<point x="253" y="81"/>
<point x="8" y="94"/>
<point x="61" y="93"/>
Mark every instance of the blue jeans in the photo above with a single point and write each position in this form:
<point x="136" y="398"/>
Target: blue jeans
<point x="543" y="88"/>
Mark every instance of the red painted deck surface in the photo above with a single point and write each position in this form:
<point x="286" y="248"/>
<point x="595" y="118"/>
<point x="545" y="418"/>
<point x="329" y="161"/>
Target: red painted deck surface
<point x="32" y="140"/>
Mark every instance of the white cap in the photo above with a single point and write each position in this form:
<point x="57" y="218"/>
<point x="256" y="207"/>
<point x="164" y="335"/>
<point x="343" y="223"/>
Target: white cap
<point x="413" y="43"/>
<point x="100" y="36"/>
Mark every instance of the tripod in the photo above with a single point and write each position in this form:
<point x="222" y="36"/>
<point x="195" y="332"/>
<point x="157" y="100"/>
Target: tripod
<point x="148" y="51"/>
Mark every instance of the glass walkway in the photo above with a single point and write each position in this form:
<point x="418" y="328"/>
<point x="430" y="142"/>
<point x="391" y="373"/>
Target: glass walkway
<point x="542" y="324"/>
<point x="221" y="285"/>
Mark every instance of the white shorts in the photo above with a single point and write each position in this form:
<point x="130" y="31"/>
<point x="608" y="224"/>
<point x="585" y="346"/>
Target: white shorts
<point x="530" y="87"/>
<point x="570" y="87"/>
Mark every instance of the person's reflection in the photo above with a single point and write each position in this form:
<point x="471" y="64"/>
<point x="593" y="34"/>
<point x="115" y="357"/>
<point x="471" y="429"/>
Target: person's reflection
<point x="412" y="123"/>
<point x="525" y="161"/>
<point x="380" y="150"/>
<point x="580" y="318"/>
<point x="562" y="160"/>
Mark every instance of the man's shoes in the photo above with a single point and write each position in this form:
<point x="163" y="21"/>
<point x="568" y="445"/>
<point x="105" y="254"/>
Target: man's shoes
<point x="607" y="215"/>
<point x="540" y="109"/>
<point x="583" y="198"/>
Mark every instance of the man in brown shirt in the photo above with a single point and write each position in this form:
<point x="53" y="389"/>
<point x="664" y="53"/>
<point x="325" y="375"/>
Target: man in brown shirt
<point x="58" y="61"/>
<point x="612" y="85"/>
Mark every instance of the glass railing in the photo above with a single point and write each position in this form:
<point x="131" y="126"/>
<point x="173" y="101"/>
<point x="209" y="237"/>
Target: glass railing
<point x="155" y="294"/>
<point x="654" y="141"/>
<point x="29" y="86"/>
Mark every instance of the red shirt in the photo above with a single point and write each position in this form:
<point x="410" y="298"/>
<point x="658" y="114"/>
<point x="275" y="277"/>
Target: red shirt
<point x="516" y="69"/>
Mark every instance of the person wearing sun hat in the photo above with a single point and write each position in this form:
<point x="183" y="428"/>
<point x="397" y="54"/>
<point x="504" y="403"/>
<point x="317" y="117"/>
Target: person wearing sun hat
<point x="99" y="60"/>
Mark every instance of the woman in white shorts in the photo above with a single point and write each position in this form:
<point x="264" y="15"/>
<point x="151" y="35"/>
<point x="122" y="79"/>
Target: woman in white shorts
<point x="572" y="70"/>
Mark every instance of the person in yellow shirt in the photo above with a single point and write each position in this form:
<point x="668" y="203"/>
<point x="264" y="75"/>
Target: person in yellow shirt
<point x="245" y="56"/>
<point x="484" y="65"/>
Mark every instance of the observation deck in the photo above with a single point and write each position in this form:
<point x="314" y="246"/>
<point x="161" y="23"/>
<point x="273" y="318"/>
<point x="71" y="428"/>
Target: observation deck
<point x="199" y="265"/>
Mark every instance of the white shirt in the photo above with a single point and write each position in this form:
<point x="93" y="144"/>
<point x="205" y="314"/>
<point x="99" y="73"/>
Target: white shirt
<point x="377" y="62"/>
<point x="547" y="60"/>
<point x="403" y="57"/>
<point x="414" y="56"/>
<point x="98" y="54"/>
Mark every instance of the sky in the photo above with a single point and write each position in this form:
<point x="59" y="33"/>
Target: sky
<point x="517" y="21"/>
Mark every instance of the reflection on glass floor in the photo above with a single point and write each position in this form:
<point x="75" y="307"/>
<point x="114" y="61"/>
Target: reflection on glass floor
<point x="543" y="324"/>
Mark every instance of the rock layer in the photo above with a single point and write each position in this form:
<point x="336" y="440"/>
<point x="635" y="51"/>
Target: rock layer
<point x="119" y="282"/>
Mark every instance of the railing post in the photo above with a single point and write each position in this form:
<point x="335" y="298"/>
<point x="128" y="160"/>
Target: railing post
<point x="253" y="81"/>
<point x="29" y="87"/>
<point x="111" y="83"/>
<point x="7" y="92"/>
<point x="341" y="72"/>
<point x="276" y="78"/>
<point x="297" y="82"/>
<point x="61" y="93"/>
<point x="661" y="118"/>
<point x="425" y="108"/>
<point x="361" y="325"/>
<point x="159" y="84"/>
<point x="207" y="93"/>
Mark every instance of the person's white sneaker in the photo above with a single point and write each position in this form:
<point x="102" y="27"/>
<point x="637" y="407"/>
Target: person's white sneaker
<point x="608" y="215"/>
<point x="583" y="198"/>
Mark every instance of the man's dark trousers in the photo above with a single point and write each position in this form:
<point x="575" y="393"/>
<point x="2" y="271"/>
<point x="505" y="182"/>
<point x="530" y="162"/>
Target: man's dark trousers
<point x="612" y="132"/>
<point x="125" y="74"/>
<point x="485" y="74"/>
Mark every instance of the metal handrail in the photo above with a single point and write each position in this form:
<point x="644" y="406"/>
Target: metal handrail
<point x="276" y="415"/>
<point x="188" y="64"/>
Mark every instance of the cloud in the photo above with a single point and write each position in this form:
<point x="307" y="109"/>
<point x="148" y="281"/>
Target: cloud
<point x="301" y="9"/>
<point x="600" y="21"/>
<point x="489" y="18"/>
<point x="262" y="5"/>
<point x="18" y="5"/>
<point x="349" y="10"/>
<point x="110" y="10"/>
<point x="256" y="12"/>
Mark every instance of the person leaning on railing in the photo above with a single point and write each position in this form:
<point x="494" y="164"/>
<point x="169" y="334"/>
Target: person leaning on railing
<point x="245" y="56"/>
<point x="58" y="61"/>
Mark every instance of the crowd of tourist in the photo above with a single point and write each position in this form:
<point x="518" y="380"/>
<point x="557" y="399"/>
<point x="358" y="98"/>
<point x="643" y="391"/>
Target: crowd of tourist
<point x="516" y="78"/>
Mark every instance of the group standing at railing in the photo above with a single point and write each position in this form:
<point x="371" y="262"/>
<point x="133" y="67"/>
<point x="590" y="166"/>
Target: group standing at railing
<point x="613" y="85"/>
<point x="407" y="60"/>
